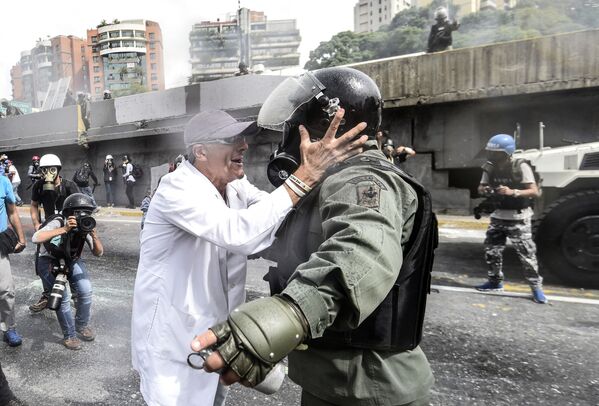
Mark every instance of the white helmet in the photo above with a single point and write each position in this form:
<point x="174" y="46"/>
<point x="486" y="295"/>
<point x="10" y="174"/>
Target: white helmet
<point x="50" y="160"/>
<point x="441" y="13"/>
<point x="109" y="157"/>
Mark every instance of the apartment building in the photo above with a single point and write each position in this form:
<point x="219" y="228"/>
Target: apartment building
<point x="371" y="15"/>
<point x="125" y="57"/>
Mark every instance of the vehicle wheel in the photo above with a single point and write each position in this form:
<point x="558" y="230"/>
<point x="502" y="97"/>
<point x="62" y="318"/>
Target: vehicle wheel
<point x="567" y="237"/>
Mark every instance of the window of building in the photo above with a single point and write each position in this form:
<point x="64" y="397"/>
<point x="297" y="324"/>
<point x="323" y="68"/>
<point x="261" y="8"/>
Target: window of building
<point x="96" y="59"/>
<point x="152" y="36"/>
<point x="98" y="90"/>
<point x="82" y="49"/>
<point x="115" y="34"/>
<point x="154" y="86"/>
<point x="154" y="76"/>
<point x="152" y="45"/>
<point x="153" y="66"/>
<point x="380" y="19"/>
<point x="96" y="69"/>
<point x="96" y="79"/>
<point x="380" y="11"/>
<point x="152" y="56"/>
<point x="103" y="36"/>
<point x="127" y="33"/>
<point x="94" y="39"/>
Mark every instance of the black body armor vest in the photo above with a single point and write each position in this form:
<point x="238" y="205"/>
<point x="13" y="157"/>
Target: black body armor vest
<point x="396" y="324"/>
<point x="510" y="176"/>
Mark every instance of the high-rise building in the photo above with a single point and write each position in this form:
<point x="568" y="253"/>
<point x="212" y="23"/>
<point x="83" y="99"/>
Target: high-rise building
<point x="125" y="57"/>
<point x="370" y="15"/>
<point x="50" y="60"/>
<point x="217" y="47"/>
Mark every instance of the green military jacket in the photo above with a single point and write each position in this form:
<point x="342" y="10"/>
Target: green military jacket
<point x="363" y="219"/>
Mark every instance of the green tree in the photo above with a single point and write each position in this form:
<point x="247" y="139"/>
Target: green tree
<point x="134" y="88"/>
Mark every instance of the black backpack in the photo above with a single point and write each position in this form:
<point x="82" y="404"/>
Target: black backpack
<point x="81" y="177"/>
<point x="137" y="172"/>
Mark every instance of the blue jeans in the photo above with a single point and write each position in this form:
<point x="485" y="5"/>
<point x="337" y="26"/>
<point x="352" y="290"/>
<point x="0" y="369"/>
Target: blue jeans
<point x="80" y="283"/>
<point x="109" y="192"/>
<point x="87" y="190"/>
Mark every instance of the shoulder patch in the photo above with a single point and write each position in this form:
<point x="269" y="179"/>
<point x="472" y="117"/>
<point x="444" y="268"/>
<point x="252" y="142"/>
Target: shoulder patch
<point x="367" y="178"/>
<point x="369" y="195"/>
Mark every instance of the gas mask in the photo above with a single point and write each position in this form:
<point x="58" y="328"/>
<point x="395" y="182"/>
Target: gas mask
<point x="49" y="173"/>
<point x="497" y="158"/>
<point x="286" y="158"/>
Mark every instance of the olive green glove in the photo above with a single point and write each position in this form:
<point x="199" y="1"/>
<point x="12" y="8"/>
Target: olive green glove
<point x="259" y="334"/>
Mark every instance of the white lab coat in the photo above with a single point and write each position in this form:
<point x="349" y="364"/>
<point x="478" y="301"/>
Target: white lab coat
<point x="191" y="274"/>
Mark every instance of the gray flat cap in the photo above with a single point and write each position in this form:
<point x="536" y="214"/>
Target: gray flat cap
<point x="216" y="125"/>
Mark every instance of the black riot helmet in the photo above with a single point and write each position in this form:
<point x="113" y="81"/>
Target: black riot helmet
<point x="77" y="202"/>
<point x="312" y="100"/>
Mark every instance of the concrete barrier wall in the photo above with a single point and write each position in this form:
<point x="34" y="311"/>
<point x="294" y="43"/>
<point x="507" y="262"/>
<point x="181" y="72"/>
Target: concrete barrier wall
<point x="150" y="105"/>
<point x="237" y="92"/>
<point x="39" y="129"/>
<point x="559" y="62"/>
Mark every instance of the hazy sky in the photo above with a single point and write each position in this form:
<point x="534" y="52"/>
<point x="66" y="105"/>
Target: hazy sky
<point x="22" y="22"/>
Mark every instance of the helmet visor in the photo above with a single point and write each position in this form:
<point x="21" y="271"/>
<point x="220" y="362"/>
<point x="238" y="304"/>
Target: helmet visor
<point x="284" y="101"/>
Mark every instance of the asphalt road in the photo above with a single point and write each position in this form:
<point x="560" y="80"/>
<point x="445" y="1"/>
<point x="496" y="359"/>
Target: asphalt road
<point x="484" y="349"/>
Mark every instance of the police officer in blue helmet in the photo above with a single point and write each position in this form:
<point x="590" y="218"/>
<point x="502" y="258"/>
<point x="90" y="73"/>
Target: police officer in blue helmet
<point x="512" y="184"/>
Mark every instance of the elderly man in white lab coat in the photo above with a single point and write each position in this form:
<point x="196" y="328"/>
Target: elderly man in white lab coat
<point x="203" y="221"/>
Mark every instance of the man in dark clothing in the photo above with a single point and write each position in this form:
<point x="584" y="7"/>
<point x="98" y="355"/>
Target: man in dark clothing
<point x="11" y="110"/>
<point x="51" y="191"/>
<point x="440" y="37"/>
<point x="34" y="170"/>
<point x="81" y="179"/>
<point x="129" y="180"/>
<point x="109" y="179"/>
<point x="84" y="106"/>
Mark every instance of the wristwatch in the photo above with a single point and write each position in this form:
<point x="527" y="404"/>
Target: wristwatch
<point x="516" y="193"/>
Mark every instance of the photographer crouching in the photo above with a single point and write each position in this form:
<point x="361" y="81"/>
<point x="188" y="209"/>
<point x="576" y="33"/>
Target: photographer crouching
<point x="62" y="239"/>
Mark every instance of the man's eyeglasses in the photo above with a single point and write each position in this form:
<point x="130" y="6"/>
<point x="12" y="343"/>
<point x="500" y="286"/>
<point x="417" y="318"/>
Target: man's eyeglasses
<point x="236" y="139"/>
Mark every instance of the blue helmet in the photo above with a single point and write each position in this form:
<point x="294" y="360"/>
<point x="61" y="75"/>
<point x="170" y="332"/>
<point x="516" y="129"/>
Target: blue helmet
<point x="502" y="142"/>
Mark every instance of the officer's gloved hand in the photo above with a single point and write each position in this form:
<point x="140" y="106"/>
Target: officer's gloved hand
<point x="255" y="337"/>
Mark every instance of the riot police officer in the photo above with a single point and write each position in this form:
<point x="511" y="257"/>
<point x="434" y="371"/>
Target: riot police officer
<point x="339" y="256"/>
<point x="512" y="184"/>
<point x="441" y="35"/>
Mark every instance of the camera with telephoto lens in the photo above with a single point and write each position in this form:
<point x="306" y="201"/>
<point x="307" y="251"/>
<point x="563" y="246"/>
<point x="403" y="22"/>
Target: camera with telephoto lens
<point x="59" y="287"/>
<point x="489" y="205"/>
<point x="85" y="222"/>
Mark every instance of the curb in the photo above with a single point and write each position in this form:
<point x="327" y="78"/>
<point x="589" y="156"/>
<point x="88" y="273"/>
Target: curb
<point x="103" y="212"/>
<point x="462" y="222"/>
